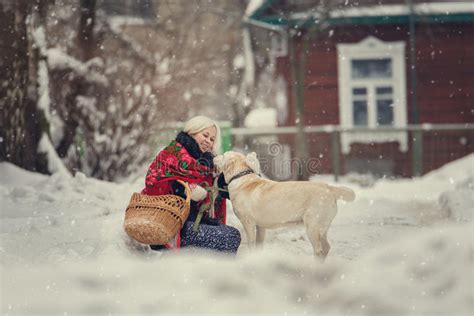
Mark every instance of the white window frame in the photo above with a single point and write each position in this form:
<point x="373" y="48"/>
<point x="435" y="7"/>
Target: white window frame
<point x="372" y="48"/>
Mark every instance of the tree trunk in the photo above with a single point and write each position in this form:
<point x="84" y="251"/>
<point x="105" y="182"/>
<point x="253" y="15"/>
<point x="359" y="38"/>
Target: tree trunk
<point x="21" y="122"/>
<point x="14" y="98"/>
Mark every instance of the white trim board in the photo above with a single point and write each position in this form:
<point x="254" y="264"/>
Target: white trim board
<point x="372" y="48"/>
<point x="426" y="8"/>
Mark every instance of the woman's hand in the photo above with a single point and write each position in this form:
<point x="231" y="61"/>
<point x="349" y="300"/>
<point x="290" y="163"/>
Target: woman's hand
<point x="198" y="193"/>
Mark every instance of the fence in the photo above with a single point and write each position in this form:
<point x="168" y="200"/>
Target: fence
<point x="327" y="148"/>
<point x="428" y="146"/>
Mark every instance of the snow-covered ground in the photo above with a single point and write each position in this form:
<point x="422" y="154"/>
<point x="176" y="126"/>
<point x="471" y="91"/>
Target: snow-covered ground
<point x="403" y="247"/>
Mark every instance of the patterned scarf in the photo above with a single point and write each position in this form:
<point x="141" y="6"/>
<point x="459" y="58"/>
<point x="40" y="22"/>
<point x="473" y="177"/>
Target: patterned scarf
<point x="175" y="163"/>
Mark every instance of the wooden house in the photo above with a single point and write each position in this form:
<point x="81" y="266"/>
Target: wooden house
<point x="389" y="74"/>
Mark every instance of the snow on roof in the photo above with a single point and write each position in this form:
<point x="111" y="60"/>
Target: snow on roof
<point x="252" y="6"/>
<point x="396" y="9"/>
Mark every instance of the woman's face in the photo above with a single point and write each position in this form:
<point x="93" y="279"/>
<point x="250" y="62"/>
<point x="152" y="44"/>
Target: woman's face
<point x="206" y="138"/>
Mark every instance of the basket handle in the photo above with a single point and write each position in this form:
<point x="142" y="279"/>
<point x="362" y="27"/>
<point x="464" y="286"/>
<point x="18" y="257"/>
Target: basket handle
<point x="187" y="191"/>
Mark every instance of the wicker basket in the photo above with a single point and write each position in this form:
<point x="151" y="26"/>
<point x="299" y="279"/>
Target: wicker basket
<point x="155" y="220"/>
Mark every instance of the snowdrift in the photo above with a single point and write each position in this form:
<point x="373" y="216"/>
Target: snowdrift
<point x="404" y="247"/>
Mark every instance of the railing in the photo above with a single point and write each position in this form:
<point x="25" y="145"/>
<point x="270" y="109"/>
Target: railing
<point x="262" y="131"/>
<point x="438" y="139"/>
<point x="417" y="134"/>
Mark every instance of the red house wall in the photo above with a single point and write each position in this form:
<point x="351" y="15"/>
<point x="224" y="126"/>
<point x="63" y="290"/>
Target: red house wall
<point x="445" y="90"/>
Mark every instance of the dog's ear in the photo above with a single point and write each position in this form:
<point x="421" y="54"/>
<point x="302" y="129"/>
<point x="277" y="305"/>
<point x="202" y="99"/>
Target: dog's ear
<point x="218" y="162"/>
<point x="252" y="160"/>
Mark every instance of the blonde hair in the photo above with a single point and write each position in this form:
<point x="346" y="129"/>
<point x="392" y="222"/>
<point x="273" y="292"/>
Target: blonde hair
<point x="200" y="123"/>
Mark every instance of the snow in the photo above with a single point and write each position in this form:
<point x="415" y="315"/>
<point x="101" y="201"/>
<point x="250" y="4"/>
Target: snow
<point x="458" y="203"/>
<point x="13" y="176"/>
<point x="421" y="8"/>
<point x="401" y="248"/>
<point x="249" y="70"/>
<point x="249" y="59"/>
<point x="116" y="25"/>
<point x="39" y="37"/>
<point x="56" y="128"/>
<point x="397" y="9"/>
<point x="55" y="164"/>
<point x="43" y="77"/>
<point x="43" y="90"/>
<point x="261" y="117"/>
<point x="252" y="6"/>
<point x="121" y="20"/>
<point x="281" y="100"/>
<point x="239" y="62"/>
<point x="57" y="59"/>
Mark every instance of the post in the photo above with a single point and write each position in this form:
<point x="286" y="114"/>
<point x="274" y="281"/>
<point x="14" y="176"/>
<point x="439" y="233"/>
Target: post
<point x="413" y="77"/>
<point x="298" y="98"/>
<point x="336" y="154"/>
<point x="417" y="147"/>
<point x="417" y="134"/>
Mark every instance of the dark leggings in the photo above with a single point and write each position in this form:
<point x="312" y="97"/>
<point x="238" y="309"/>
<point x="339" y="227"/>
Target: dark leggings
<point x="214" y="237"/>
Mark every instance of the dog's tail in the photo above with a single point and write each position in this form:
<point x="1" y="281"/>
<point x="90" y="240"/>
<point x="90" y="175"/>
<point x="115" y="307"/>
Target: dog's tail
<point x="344" y="193"/>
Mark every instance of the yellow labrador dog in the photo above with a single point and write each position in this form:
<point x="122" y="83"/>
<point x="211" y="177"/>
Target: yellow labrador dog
<point x="260" y="203"/>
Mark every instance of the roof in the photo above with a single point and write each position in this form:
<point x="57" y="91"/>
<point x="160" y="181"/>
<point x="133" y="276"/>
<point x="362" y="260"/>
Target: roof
<point x="425" y="12"/>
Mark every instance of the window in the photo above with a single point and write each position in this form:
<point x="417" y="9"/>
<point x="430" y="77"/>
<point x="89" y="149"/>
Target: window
<point x="372" y="90"/>
<point x="359" y="106"/>
<point x="384" y="102"/>
<point x="371" y="68"/>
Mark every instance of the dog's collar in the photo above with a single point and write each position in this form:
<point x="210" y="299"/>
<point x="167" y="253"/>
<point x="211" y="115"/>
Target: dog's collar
<point x="241" y="174"/>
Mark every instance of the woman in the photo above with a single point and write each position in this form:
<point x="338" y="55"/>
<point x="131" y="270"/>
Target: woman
<point x="189" y="158"/>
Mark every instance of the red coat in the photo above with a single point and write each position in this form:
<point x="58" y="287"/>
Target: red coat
<point x="175" y="163"/>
